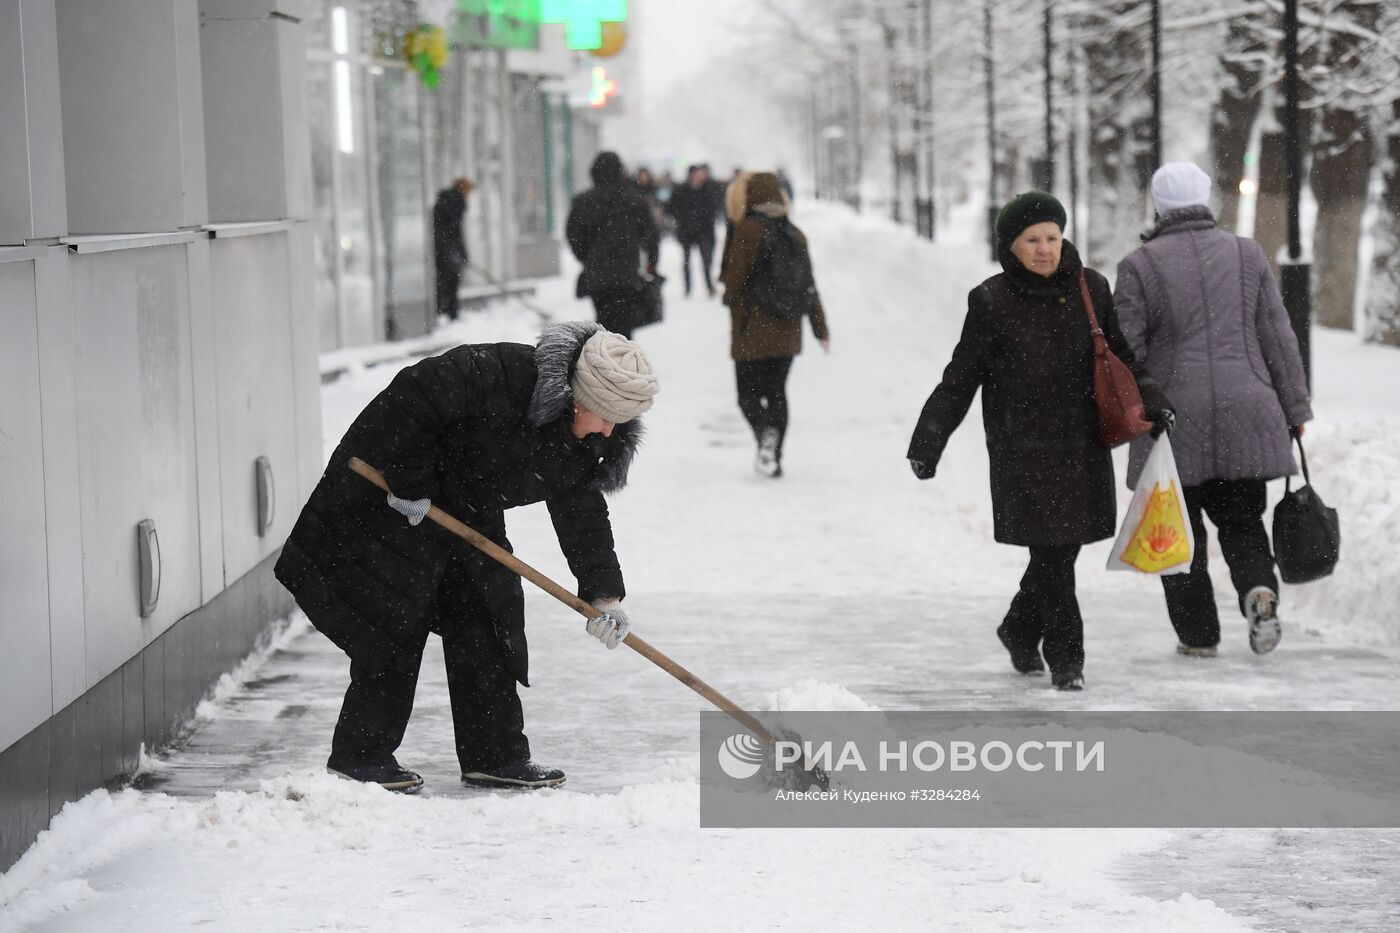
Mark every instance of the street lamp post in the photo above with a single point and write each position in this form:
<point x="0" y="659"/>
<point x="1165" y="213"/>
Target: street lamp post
<point x="1047" y="177"/>
<point x="929" y="207"/>
<point x="1296" y="272"/>
<point x="991" y="129"/>
<point x="1155" y="87"/>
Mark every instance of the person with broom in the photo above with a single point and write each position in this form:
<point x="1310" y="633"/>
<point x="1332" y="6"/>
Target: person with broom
<point x="479" y="429"/>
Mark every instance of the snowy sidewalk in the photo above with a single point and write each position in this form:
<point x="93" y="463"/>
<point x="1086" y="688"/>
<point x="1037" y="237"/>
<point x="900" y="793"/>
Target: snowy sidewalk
<point x="847" y="579"/>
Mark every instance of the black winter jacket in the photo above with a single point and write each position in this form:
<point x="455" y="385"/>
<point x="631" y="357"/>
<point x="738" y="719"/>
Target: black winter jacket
<point x="479" y="429"/>
<point x="695" y="210"/>
<point x="609" y="226"/>
<point x="1026" y="343"/>
<point x="449" y="239"/>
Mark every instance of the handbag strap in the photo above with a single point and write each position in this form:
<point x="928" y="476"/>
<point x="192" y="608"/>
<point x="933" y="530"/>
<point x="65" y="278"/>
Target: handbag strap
<point x="1303" y="456"/>
<point x="1094" y="329"/>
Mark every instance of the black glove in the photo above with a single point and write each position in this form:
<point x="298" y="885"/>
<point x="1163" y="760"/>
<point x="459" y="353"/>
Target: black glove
<point x="1295" y="431"/>
<point x="1159" y="410"/>
<point x="922" y="470"/>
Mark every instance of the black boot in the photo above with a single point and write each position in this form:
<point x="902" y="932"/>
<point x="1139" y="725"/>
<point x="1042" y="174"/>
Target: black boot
<point x="522" y="774"/>
<point x="387" y="775"/>
<point x="1068" y="678"/>
<point x="1024" y="657"/>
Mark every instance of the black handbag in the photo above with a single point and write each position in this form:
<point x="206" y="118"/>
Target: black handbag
<point x="1307" y="536"/>
<point x="653" y="304"/>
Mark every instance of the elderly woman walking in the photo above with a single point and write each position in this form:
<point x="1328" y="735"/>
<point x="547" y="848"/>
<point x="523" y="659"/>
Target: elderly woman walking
<point x="1027" y="344"/>
<point x="769" y="289"/>
<point x="1200" y="307"/>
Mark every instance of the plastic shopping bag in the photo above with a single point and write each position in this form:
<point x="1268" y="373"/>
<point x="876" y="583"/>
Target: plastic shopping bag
<point x="1156" y="534"/>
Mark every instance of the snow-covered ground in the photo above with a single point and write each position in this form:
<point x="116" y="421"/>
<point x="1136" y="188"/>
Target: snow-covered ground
<point x="846" y="575"/>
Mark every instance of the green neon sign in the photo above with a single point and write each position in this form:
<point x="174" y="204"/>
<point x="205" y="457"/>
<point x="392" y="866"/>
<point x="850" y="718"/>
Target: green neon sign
<point x="583" y="19"/>
<point x="499" y="24"/>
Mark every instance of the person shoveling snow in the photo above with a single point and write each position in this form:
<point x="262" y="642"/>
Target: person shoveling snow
<point x="480" y="429"/>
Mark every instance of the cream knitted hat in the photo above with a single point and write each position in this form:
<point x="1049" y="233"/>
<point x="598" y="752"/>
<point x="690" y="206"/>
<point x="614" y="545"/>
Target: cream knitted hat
<point x="613" y="377"/>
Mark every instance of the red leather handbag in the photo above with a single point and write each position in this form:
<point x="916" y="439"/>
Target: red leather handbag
<point x="1122" y="415"/>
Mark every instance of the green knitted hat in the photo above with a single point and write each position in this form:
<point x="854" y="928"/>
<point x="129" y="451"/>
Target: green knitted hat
<point x="1027" y="210"/>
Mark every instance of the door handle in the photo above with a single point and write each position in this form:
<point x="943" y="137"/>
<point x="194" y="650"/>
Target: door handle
<point x="148" y="549"/>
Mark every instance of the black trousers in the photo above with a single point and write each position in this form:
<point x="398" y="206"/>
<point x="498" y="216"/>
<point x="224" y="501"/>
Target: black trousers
<point x="1045" y="611"/>
<point x="487" y="720"/>
<point x="707" y="253"/>
<point x="617" y="312"/>
<point x="763" y="394"/>
<point x="1236" y="508"/>
<point x="449" y="277"/>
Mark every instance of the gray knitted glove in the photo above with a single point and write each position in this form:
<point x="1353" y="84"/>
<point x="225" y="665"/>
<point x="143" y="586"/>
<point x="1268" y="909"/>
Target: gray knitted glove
<point x="611" y="627"/>
<point x="411" y="509"/>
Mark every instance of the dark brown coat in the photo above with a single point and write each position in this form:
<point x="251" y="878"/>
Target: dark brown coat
<point x="754" y="334"/>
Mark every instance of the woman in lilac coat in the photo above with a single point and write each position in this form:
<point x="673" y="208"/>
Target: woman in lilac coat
<point x="1199" y="306"/>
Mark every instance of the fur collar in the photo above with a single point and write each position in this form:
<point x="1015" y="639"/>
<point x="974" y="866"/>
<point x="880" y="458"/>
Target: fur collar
<point x="556" y="353"/>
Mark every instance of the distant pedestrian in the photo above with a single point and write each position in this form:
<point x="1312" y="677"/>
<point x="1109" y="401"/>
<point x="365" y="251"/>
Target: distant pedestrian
<point x="769" y="288"/>
<point x="450" y="243"/>
<point x="696" y="209"/>
<point x="1200" y="307"/>
<point x="477" y="430"/>
<point x="609" y="227"/>
<point x="1027" y="345"/>
<point x="786" y="184"/>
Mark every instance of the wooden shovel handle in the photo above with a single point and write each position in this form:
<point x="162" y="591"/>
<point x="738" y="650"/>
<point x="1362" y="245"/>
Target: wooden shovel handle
<point x="634" y="641"/>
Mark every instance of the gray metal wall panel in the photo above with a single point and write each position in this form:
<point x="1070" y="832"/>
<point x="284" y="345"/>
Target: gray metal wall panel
<point x="32" y="199"/>
<point x="252" y="9"/>
<point x="58" y="377"/>
<point x="25" y="690"/>
<point x="206" y="422"/>
<point x="136" y="443"/>
<point x="121" y="70"/>
<point x="244" y="102"/>
<point x="16" y="219"/>
<point x="194" y="192"/>
<point x="296" y="129"/>
<point x="252" y="302"/>
<point x="306" y="372"/>
<point x="48" y="196"/>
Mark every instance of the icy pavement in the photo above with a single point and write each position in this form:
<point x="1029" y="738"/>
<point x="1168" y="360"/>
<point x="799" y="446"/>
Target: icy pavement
<point x="847" y="571"/>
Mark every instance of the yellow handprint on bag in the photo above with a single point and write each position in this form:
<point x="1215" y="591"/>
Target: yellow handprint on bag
<point x="1160" y="540"/>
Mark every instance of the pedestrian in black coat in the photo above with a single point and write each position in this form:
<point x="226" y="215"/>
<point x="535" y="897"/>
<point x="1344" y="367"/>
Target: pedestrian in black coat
<point x="609" y="227"/>
<point x="1026" y="343"/>
<point x="696" y="208"/>
<point x="450" y="243"/>
<point x="477" y="430"/>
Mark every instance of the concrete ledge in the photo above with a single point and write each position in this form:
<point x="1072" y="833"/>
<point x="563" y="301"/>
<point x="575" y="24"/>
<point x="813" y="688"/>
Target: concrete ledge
<point x="95" y="741"/>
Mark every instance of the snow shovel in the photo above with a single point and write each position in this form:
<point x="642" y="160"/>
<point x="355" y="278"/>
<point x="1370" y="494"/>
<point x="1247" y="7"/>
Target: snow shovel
<point x="814" y="777"/>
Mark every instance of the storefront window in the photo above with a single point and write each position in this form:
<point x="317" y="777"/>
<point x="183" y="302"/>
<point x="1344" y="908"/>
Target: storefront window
<point x="401" y="219"/>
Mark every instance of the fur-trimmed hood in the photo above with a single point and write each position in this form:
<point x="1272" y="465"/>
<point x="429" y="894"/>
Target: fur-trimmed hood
<point x="556" y="354"/>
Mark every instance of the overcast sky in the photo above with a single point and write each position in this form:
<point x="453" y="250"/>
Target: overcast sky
<point x="694" y="106"/>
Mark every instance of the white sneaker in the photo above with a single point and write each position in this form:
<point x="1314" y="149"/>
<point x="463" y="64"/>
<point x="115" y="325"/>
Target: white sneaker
<point x="1261" y="609"/>
<point x="766" y="463"/>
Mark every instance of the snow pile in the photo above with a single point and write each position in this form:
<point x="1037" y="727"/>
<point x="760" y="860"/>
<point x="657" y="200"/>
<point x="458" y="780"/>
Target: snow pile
<point x="313" y="852"/>
<point x="812" y="694"/>
<point x="281" y="634"/>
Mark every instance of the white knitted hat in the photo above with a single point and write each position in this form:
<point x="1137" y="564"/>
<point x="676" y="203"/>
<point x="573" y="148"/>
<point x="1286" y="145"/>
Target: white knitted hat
<point x="1179" y="184"/>
<point x="613" y="377"/>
